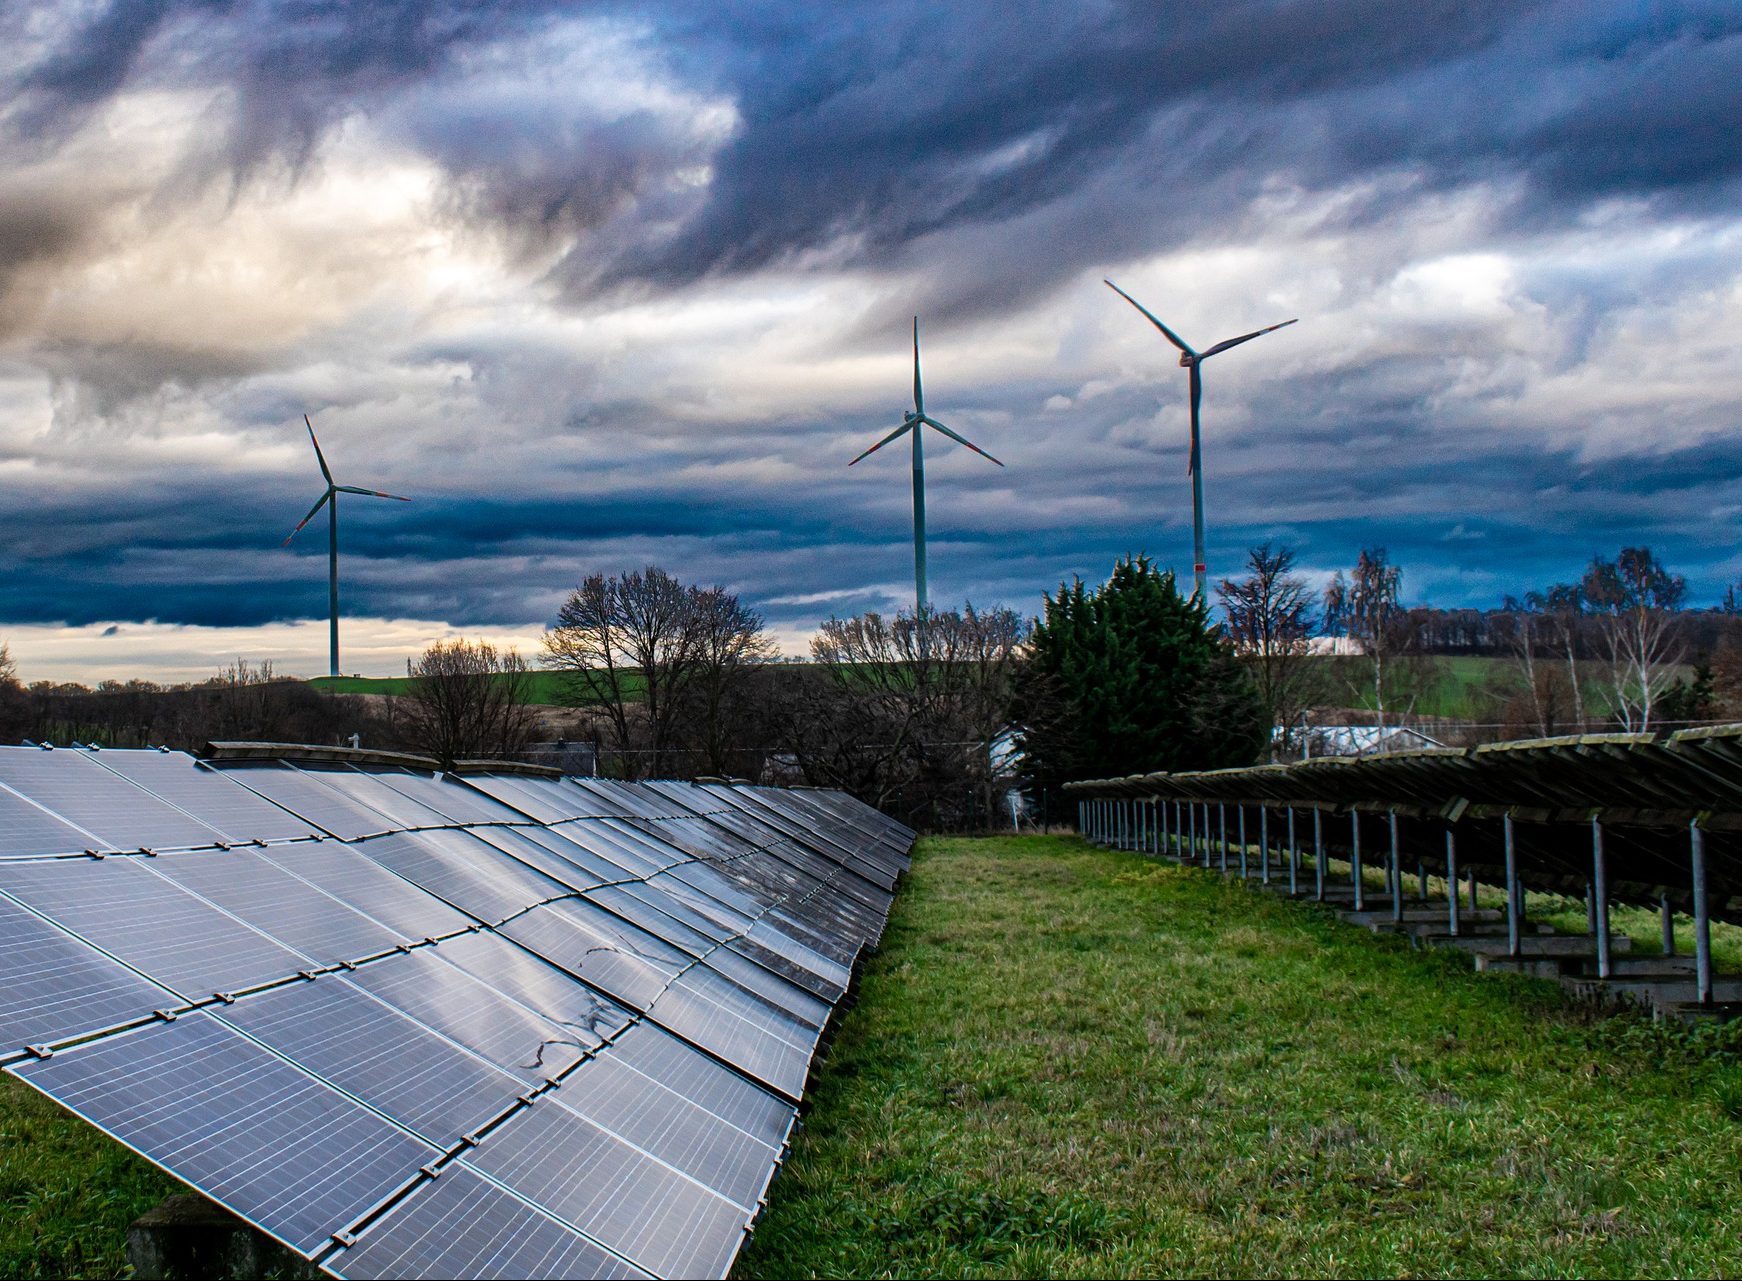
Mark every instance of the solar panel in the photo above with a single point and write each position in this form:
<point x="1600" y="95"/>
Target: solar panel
<point x="400" y="809"/>
<point x="272" y="900"/>
<point x="505" y="1026"/>
<point x="534" y="983"/>
<point x="74" y="787"/>
<point x="473" y="1013"/>
<point x="661" y="1057"/>
<point x="454" y="797"/>
<point x="123" y="907"/>
<point x="651" y="1116"/>
<point x="624" y="1198"/>
<point x="283" y="1150"/>
<point x="373" y="1052"/>
<point x="504" y="1237"/>
<point x="209" y="795"/>
<point x="307" y="798"/>
<point x="462" y="870"/>
<point x="53" y="987"/>
<point x="28" y="829"/>
<point x="343" y="872"/>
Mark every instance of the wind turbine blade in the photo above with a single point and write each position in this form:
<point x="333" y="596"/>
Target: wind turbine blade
<point x="319" y="457"/>
<point x="960" y="440"/>
<point x="918" y="393"/>
<point x="368" y="493"/>
<point x="1257" y="333"/>
<point x="897" y="434"/>
<point x="1172" y="337"/>
<point x="1197" y="399"/>
<point x="325" y="498"/>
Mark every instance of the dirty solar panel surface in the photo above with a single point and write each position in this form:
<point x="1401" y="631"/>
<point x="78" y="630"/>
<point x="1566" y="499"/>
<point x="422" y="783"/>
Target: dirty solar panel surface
<point x="414" y="1025"/>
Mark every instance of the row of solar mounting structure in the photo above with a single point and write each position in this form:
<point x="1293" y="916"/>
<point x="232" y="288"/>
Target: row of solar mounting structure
<point x="422" y="1025"/>
<point x="1667" y="839"/>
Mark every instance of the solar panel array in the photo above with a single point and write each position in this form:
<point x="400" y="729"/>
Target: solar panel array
<point x="1648" y="792"/>
<point x="421" y="1025"/>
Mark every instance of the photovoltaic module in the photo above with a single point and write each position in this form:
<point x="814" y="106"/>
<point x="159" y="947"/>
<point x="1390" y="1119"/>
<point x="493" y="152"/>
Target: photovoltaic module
<point x="484" y="1024"/>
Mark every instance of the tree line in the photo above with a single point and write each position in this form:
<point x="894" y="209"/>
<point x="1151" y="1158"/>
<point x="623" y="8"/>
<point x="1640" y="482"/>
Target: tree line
<point x="934" y="716"/>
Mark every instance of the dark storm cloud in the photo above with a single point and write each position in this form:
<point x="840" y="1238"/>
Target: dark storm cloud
<point x="871" y="127"/>
<point x="958" y="161"/>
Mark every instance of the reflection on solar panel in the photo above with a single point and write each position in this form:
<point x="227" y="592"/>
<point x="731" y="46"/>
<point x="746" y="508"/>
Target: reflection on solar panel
<point x="491" y="1025"/>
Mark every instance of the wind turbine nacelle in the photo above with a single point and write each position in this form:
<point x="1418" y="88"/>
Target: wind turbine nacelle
<point x="1187" y="360"/>
<point x="907" y="415"/>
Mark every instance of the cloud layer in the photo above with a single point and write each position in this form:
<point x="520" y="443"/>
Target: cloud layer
<point x="600" y="285"/>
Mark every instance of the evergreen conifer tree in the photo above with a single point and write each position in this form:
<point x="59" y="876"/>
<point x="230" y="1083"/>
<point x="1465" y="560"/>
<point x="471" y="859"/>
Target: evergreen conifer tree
<point x="1132" y="677"/>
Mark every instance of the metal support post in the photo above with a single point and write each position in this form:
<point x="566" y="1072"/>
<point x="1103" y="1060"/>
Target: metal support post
<point x="1514" y="896"/>
<point x="1355" y="868"/>
<point x="1192" y="842"/>
<point x="1209" y="840"/>
<point x="1702" y="919"/>
<point x="1474" y="904"/>
<point x="1451" y="881"/>
<point x="1421" y="879"/>
<point x="1241" y="811"/>
<point x="1319" y="852"/>
<point x="1600" y="897"/>
<point x="1396" y="873"/>
<point x="1222" y="821"/>
<point x="1293" y="873"/>
<point x="1666" y="921"/>
<point x="1264" y="844"/>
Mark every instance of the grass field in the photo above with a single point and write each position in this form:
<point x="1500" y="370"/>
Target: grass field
<point x="1070" y="1062"/>
<point x="547" y="687"/>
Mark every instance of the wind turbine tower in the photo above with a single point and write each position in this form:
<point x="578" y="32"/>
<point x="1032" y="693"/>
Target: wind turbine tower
<point x="911" y="421"/>
<point x="330" y="500"/>
<point x="1190" y="359"/>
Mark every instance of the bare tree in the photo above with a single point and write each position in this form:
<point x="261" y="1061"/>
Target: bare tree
<point x="904" y="712"/>
<point x="1270" y="625"/>
<point x="1636" y="599"/>
<point x="1563" y="608"/>
<point x="14" y="702"/>
<point x="1365" y="608"/>
<point x="730" y="643"/>
<point x="660" y="659"/>
<point x="470" y="700"/>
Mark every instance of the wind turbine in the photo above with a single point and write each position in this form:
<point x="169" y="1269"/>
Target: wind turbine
<point x="911" y="421"/>
<point x="332" y="496"/>
<point x="1190" y="359"/>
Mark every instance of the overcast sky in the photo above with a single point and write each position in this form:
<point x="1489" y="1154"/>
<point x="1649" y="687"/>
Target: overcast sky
<point x="602" y="285"/>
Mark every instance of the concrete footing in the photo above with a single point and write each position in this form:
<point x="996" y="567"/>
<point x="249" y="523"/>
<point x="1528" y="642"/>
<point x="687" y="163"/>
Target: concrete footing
<point x="188" y="1236"/>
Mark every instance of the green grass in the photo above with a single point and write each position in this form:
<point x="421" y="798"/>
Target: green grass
<point x="67" y="1192"/>
<point x="547" y="687"/>
<point x="1073" y="1062"/>
<point x="1068" y="1061"/>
